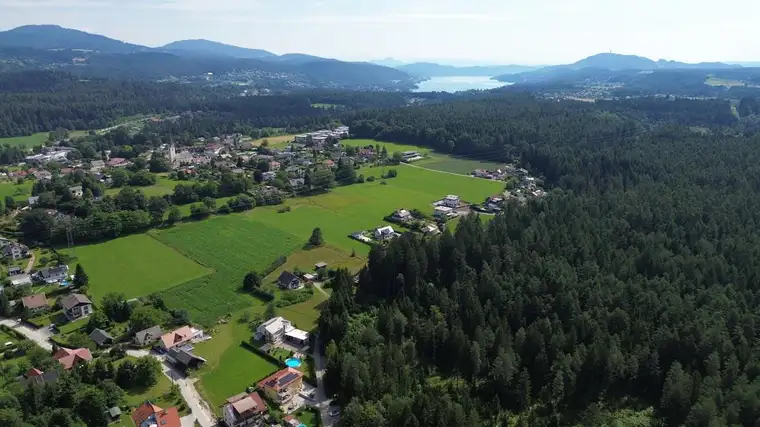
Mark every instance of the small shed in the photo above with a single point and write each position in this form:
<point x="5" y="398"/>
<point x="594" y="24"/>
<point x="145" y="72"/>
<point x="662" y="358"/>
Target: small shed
<point x="114" y="413"/>
<point x="320" y="265"/>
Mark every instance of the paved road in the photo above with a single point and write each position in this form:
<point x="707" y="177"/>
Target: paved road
<point x="198" y="407"/>
<point x="321" y="398"/>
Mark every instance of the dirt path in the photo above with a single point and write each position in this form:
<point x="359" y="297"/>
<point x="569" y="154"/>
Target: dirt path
<point x="30" y="265"/>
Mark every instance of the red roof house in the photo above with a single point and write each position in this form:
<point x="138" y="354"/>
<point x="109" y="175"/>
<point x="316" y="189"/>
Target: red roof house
<point x="71" y="357"/>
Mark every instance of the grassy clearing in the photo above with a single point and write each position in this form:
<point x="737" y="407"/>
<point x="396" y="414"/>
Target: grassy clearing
<point x="232" y="245"/>
<point x="162" y="186"/>
<point x="160" y="394"/>
<point x="433" y="160"/>
<point x="230" y="368"/>
<point x="278" y="141"/>
<point x="362" y="206"/>
<point x="305" y="260"/>
<point x="136" y="265"/>
<point x="304" y="315"/>
<point x="19" y="192"/>
<point x="718" y="81"/>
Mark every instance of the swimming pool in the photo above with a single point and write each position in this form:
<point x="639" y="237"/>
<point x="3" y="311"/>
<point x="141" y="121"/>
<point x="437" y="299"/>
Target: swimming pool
<point x="292" y="363"/>
<point x="302" y="425"/>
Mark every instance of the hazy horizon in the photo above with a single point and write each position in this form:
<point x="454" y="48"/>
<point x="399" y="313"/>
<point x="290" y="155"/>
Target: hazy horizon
<point x="480" y="32"/>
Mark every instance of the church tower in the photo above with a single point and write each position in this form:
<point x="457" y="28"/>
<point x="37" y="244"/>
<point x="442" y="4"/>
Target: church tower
<point x="172" y="154"/>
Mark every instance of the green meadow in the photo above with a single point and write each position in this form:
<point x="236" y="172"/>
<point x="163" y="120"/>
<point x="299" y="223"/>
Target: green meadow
<point x="135" y="265"/>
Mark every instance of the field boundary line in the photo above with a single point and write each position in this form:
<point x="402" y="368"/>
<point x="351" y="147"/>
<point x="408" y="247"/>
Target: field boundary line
<point x="440" y="171"/>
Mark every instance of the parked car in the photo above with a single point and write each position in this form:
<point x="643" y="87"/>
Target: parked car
<point x="335" y="413"/>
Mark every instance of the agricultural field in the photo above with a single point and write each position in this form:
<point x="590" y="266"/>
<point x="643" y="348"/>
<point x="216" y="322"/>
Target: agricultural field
<point x="278" y="141"/>
<point x="19" y="192"/>
<point x="433" y="160"/>
<point x="232" y="245"/>
<point x="135" y="265"/>
<point x="362" y="206"/>
<point x="230" y="368"/>
<point x="718" y="81"/>
<point x="305" y="260"/>
<point x="35" y="139"/>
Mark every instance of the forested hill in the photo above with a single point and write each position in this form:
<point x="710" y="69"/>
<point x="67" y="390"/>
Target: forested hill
<point x="630" y="291"/>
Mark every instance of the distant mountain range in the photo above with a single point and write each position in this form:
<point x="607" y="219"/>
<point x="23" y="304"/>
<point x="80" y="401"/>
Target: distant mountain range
<point x="427" y="69"/>
<point x="604" y="63"/>
<point x="52" y="46"/>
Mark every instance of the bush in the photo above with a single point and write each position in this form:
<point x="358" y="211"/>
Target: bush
<point x="371" y="179"/>
<point x="274" y="266"/>
<point x="295" y="297"/>
<point x="283" y="210"/>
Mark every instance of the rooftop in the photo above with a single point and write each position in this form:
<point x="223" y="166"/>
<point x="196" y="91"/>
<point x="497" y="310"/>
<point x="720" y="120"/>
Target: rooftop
<point x="34" y="301"/>
<point x="281" y="379"/>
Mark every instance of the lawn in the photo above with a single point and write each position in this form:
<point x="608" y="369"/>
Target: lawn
<point x="232" y="245"/>
<point x="279" y="141"/>
<point x="433" y="160"/>
<point x="19" y="192"/>
<point x="230" y="368"/>
<point x="162" y="186"/>
<point x="160" y="394"/>
<point x="136" y="265"/>
<point x="305" y="260"/>
<point x="362" y="206"/>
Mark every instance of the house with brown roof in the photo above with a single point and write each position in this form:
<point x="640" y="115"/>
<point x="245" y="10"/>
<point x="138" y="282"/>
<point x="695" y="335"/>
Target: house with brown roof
<point x="148" y="415"/>
<point x="179" y="337"/>
<point x="35" y="376"/>
<point x="244" y="409"/>
<point x="69" y="358"/>
<point x="35" y="303"/>
<point x="282" y="385"/>
<point x="76" y="306"/>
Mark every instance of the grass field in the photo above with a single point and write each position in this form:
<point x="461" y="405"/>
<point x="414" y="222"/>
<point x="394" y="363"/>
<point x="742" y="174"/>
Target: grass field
<point x="136" y="265"/>
<point x="18" y="192"/>
<point x="304" y="315"/>
<point x="230" y="368"/>
<point x="35" y="139"/>
<point x="717" y="81"/>
<point x="362" y="206"/>
<point x="433" y="160"/>
<point x="162" y="186"/>
<point x="232" y="245"/>
<point x="278" y="141"/>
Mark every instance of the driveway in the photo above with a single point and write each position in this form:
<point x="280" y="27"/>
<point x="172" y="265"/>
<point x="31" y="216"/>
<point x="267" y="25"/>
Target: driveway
<point x="40" y="336"/>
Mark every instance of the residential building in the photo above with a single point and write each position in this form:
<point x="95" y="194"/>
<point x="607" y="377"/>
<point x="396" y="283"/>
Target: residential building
<point x="69" y="358"/>
<point x="76" y="191"/>
<point x="402" y="215"/>
<point x="15" y="251"/>
<point x="184" y="357"/>
<point x="278" y="329"/>
<point x="101" y="337"/>
<point x="118" y="162"/>
<point x="150" y="415"/>
<point x="43" y="175"/>
<point x="244" y="410"/>
<point x="274" y="165"/>
<point x="53" y="274"/>
<point x="320" y="265"/>
<point x="288" y="280"/>
<point x="35" y="303"/>
<point x="76" y="306"/>
<point x="14" y="270"/>
<point x="148" y="336"/>
<point x="35" y="376"/>
<point x="180" y="337"/>
<point x="451" y="201"/>
<point x="31" y="201"/>
<point x="443" y="212"/>
<point x="303" y="139"/>
<point x="20" y="280"/>
<point x="97" y="165"/>
<point x="410" y="156"/>
<point x="281" y="386"/>
<point x="297" y="182"/>
<point x="268" y="176"/>
<point x="385" y="233"/>
<point x="430" y="229"/>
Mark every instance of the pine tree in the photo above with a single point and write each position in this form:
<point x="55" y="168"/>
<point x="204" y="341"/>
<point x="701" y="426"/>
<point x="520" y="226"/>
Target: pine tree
<point x="316" y="238"/>
<point x="5" y="305"/>
<point x="80" y="277"/>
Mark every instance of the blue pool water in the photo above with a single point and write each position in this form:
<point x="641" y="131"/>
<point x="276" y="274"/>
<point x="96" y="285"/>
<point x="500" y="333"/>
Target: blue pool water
<point x="65" y="283"/>
<point x="292" y="363"/>
<point x="302" y="425"/>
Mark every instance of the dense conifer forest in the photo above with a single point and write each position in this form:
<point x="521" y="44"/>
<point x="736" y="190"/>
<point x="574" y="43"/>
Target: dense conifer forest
<point x="633" y="285"/>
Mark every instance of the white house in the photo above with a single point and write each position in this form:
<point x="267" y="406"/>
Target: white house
<point x="443" y="212"/>
<point x="54" y="274"/>
<point x="76" y="191"/>
<point x="278" y="329"/>
<point x="402" y="215"/>
<point x="384" y="233"/>
<point x="76" y="306"/>
<point x="451" y="201"/>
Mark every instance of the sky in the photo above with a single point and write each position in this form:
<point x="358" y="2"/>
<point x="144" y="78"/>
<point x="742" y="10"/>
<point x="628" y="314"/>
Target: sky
<point x="456" y="31"/>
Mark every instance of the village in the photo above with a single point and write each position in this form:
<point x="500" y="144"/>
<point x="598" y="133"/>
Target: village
<point x="53" y="305"/>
